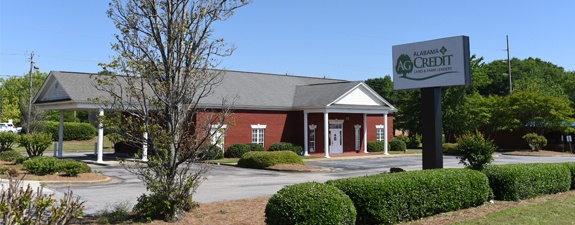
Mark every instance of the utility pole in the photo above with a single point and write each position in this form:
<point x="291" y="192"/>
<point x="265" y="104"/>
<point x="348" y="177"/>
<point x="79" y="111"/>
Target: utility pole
<point x="30" y="97"/>
<point x="509" y="66"/>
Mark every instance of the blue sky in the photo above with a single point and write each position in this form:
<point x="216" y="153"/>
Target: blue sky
<point x="333" y="38"/>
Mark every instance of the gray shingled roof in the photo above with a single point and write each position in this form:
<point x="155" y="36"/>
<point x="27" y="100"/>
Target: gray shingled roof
<point x="320" y="94"/>
<point x="249" y="90"/>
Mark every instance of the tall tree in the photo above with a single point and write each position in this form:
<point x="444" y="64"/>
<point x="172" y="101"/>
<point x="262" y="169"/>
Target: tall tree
<point x="166" y="59"/>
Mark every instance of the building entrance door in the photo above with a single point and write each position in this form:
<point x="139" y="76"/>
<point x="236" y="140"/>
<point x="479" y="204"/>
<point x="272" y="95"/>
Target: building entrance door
<point x="336" y="138"/>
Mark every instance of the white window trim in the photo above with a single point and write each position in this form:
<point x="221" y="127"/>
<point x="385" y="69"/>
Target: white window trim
<point x="382" y="133"/>
<point x="312" y="128"/>
<point x="357" y="137"/>
<point x="259" y="126"/>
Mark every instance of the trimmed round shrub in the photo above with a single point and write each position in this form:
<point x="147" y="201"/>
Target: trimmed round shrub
<point x="476" y="151"/>
<point x="72" y="130"/>
<point x="535" y="141"/>
<point x="397" y="145"/>
<point x="237" y="150"/>
<point x="36" y="143"/>
<point x="256" y="147"/>
<point x="42" y="165"/>
<point x="514" y="182"/>
<point x="286" y="146"/>
<point x="375" y="146"/>
<point x="7" y="140"/>
<point x="10" y="155"/>
<point x="210" y="152"/>
<point x="310" y="203"/>
<point x="399" y="197"/>
<point x="450" y="149"/>
<point x="260" y="160"/>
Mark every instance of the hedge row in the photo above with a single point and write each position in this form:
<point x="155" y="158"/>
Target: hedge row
<point x="514" y="182"/>
<point x="263" y="159"/>
<point x="397" y="197"/>
<point x="72" y="131"/>
<point x="393" y="145"/>
<point x="286" y="146"/>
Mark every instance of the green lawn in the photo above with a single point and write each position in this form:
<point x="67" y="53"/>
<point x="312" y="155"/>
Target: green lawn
<point x="408" y="151"/>
<point x="550" y="212"/>
<point x="74" y="146"/>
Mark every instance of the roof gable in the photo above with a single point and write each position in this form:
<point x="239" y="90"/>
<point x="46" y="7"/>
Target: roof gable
<point x="358" y="96"/>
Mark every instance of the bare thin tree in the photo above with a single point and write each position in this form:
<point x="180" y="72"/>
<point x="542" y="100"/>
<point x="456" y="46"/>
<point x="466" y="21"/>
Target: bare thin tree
<point x="164" y="71"/>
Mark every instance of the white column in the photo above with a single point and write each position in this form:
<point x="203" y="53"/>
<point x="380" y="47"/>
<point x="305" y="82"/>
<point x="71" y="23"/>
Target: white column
<point x="364" y="133"/>
<point x="385" y="134"/>
<point x="326" y="134"/>
<point x="305" y="135"/>
<point x="61" y="134"/>
<point x="101" y="139"/>
<point x="145" y="148"/>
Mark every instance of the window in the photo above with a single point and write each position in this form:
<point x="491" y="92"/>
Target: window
<point x="312" y="137"/>
<point x="217" y="133"/>
<point x="258" y="134"/>
<point x="379" y="132"/>
<point x="357" y="137"/>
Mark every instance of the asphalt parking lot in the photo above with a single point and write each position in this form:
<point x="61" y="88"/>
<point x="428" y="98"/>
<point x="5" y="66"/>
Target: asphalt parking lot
<point x="229" y="183"/>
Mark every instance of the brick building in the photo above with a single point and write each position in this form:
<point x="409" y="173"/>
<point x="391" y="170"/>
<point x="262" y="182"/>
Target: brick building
<point x="317" y="113"/>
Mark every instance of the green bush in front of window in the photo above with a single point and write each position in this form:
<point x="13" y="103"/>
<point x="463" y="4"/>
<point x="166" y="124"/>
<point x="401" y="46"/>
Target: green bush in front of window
<point x="237" y="150"/>
<point x="397" y="145"/>
<point x="375" y="146"/>
<point x="286" y="146"/>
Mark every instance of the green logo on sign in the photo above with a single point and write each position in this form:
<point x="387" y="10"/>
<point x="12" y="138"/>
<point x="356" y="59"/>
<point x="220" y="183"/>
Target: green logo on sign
<point x="404" y="65"/>
<point x="425" y="62"/>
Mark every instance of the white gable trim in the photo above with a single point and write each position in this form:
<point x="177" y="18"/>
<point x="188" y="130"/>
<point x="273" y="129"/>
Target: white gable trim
<point x="365" y="90"/>
<point x="51" y="90"/>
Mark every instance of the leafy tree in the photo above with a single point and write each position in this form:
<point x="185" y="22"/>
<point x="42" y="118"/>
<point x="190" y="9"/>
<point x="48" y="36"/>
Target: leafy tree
<point x="538" y="113"/>
<point x="15" y="96"/>
<point x="384" y="87"/>
<point x="166" y="59"/>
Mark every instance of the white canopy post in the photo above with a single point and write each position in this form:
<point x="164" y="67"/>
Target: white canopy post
<point x="145" y="148"/>
<point x="305" y="135"/>
<point x="101" y="138"/>
<point x="61" y="134"/>
<point x="385" y="134"/>
<point x="326" y="134"/>
<point x="365" y="133"/>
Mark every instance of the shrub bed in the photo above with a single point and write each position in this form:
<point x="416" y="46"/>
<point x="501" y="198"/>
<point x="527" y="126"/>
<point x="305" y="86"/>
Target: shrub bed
<point x="514" y="182"/>
<point x="310" y="203"/>
<point x="72" y="131"/>
<point x="43" y="165"/>
<point x="399" y="197"/>
<point x="261" y="160"/>
<point x="237" y="150"/>
<point x="286" y="146"/>
<point x="210" y="152"/>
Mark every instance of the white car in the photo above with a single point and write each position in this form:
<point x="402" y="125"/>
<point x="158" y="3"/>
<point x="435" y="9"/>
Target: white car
<point x="8" y="127"/>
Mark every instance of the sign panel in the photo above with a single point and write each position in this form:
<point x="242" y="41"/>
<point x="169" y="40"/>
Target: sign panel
<point x="435" y="63"/>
